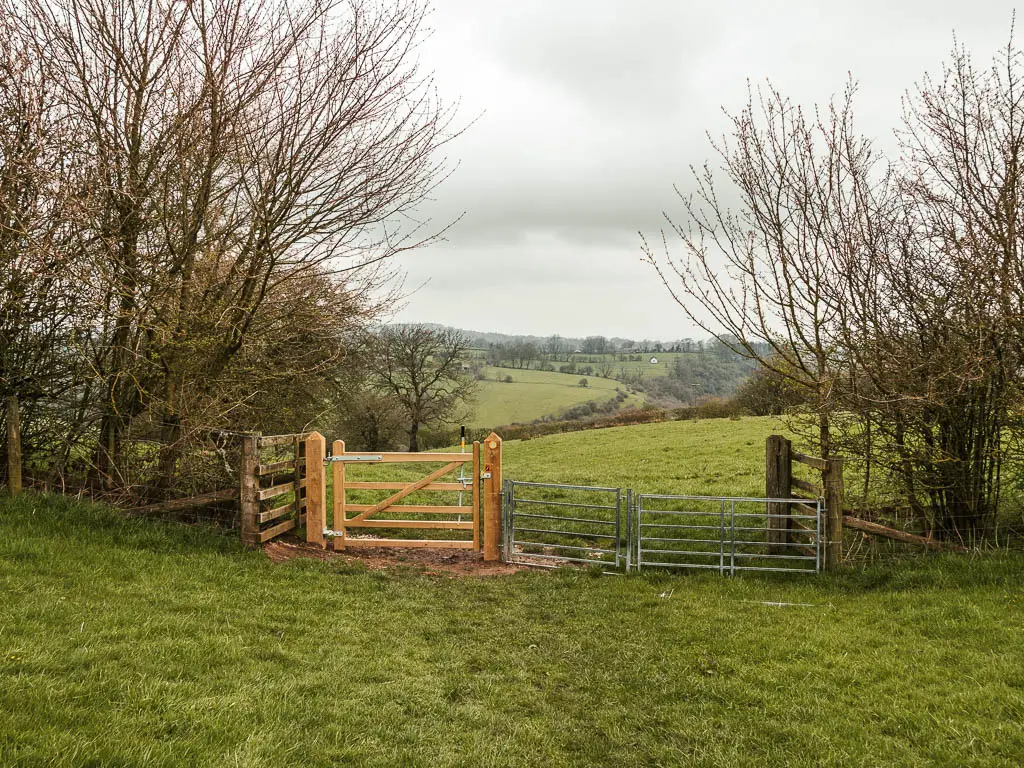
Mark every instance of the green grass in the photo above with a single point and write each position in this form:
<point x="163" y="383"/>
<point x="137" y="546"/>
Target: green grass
<point x="708" y="457"/>
<point x="139" y="643"/>
<point x="535" y="394"/>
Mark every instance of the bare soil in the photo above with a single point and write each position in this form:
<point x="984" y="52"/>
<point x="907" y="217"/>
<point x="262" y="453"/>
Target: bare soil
<point x="447" y="562"/>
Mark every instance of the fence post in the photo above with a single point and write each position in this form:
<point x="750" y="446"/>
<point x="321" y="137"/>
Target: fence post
<point x="316" y="488"/>
<point x="778" y="478"/>
<point x="492" y="496"/>
<point x="338" y="483"/>
<point x="476" y="495"/>
<point x="248" y="495"/>
<point x="13" y="446"/>
<point x="833" y="480"/>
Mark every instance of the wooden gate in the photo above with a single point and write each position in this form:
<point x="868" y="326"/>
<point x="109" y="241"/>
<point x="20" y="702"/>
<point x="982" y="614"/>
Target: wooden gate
<point x="350" y="519"/>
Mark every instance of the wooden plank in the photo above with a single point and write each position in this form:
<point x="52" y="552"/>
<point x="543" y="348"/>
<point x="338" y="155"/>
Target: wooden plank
<point x="492" y="497"/>
<point x="476" y="494"/>
<point x="277" y="530"/>
<point x="423" y="509"/>
<point x="176" y="505"/>
<point x="279" y="490"/>
<point x="268" y="441"/>
<point x="316" y="489"/>
<point x="804" y="509"/>
<point x="811" y="461"/>
<point x="298" y="474"/>
<point x="278" y="466"/>
<point x="14" y="484"/>
<point x="439" y="544"/>
<point x="420" y="458"/>
<point x="391" y="486"/>
<point x="409" y="489"/>
<point x="453" y="525"/>
<point x="806" y="551"/>
<point x="273" y="514"/>
<point x="877" y="529"/>
<point x="803" y="485"/>
<point x="338" y="478"/>
<point x="249" y="487"/>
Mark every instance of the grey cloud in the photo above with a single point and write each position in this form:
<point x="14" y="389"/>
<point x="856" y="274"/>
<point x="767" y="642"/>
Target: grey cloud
<point x="591" y="111"/>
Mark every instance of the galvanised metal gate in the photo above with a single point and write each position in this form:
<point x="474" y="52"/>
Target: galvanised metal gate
<point x="555" y="522"/>
<point x="616" y="527"/>
<point x="728" y="534"/>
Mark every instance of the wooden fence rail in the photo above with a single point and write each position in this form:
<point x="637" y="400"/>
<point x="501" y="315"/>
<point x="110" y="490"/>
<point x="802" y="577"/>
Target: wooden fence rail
<point x="345" y="516"/>
<point x="264" y="478"/>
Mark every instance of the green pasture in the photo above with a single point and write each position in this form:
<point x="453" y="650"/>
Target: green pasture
<point x="534" y="394"/>
<point x="133" y="642"/>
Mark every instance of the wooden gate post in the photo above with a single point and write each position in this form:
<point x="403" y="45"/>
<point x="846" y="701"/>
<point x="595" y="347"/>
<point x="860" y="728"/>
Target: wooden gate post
<point x="248" y="496"/>
<point x="13" y="446"/>
<point x="778" y="479"/>
<point x="338" y="483"/>
<point x="492" y="496"/>
<point x="833" y="480"/>
<point x="316" y="488"/>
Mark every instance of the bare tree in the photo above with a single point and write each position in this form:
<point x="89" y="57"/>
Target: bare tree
<point x="423" y="369"/>
<point x="229" y="149"/>
<point x="769" y="271"/>
<point x="889" y="293"/>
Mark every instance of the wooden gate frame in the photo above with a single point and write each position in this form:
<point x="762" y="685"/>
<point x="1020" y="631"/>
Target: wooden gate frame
<point x="316" y="497"/>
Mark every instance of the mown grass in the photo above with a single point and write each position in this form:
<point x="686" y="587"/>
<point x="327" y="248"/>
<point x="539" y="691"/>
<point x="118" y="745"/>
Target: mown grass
<point x="139" y="643"/>
<point x="533" y="395"/>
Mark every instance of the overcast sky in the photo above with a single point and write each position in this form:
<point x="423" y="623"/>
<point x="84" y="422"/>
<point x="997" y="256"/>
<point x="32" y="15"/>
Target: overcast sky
<point x="589" y="112"/>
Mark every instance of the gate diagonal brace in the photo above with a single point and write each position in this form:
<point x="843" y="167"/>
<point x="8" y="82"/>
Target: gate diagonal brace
<point x="412" y="488"/>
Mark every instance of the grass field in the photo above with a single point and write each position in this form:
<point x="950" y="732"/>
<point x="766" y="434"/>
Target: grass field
<point x="139" y="643"/>
<point x="535" y="394"/>
<point x="712" y="456"/>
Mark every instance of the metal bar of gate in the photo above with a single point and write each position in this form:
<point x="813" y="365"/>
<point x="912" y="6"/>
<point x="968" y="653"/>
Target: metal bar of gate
<point x="657" y="537"/>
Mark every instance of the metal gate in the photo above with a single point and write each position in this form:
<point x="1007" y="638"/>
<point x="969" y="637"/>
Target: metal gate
<point x="728" y="534"/>
<point x="556" y="522"/>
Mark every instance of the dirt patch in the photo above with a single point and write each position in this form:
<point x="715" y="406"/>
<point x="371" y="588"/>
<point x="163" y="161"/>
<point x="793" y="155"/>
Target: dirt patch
<point x="451" y="562"/>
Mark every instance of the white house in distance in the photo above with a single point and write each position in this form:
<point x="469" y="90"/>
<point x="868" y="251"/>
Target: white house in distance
<point x="654" y="361"/>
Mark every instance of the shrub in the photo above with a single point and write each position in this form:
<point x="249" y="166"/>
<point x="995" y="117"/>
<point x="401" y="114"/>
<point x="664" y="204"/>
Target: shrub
<point x="584" y="383"/>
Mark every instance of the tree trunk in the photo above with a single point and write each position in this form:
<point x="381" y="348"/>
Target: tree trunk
<point x="413" y="444"/>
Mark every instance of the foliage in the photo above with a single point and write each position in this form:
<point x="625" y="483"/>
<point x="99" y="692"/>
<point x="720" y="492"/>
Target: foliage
<point x="206" y="194"/>
<point x="768" y="393"/>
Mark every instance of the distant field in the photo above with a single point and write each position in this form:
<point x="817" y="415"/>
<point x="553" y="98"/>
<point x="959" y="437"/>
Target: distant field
<point x="534" y="394"/>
